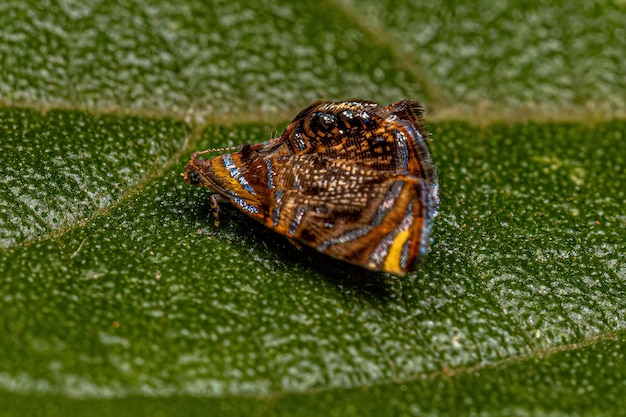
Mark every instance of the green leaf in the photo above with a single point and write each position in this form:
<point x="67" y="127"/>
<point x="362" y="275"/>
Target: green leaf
<point x="117" y="299"/>
<point x="493" y="58"/>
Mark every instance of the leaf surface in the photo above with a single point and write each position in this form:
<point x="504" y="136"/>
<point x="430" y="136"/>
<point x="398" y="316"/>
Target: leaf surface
<point x="116" y="299"/>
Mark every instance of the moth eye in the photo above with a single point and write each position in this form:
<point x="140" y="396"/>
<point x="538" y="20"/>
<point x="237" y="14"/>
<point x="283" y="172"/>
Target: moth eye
<point x="346" y="116"/>
<point x="194" y="177"/>
<point x="326" y="121"/>
<point x="351" y="119"/>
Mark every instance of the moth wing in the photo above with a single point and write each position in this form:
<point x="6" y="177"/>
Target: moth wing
<point x="386" y="138"/>
<point x="374" y="219"/>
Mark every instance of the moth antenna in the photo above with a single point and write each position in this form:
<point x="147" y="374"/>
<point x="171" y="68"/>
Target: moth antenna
<point x="229" y="148"/>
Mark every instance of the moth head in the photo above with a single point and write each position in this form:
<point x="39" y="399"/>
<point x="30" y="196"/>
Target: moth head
<point x="193" y="170"/>
<point x="193" y="177"/>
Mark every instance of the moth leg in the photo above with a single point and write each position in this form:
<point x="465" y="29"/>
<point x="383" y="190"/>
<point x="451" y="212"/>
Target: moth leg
<point x="215" y="209"/>
<point x="294" y="243"/>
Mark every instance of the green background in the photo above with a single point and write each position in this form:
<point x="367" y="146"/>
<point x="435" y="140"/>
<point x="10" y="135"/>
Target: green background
<point x="115" y="299"/>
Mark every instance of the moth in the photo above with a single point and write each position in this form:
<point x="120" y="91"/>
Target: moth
<point x="352" y="179"/>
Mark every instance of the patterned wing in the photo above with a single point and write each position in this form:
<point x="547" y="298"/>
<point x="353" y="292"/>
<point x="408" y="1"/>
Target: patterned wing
<point x="379" y="137"/>
<point x="384" y="138"/>
<point x="375" y="219"/>
<point x="353" y="180"/>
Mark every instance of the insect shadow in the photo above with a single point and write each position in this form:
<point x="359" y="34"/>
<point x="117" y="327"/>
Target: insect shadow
<point x="340" y="273"/>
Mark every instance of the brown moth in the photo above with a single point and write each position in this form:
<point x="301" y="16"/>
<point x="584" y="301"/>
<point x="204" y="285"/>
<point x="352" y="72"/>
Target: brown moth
<point x="352" y="179"/>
